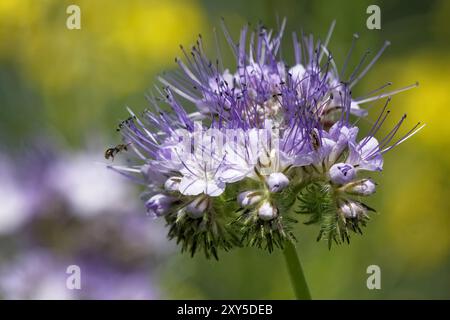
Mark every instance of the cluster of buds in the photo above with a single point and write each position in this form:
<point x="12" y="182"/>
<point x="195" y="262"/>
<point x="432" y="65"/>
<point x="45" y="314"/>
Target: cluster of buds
<point x="265" y="142"/>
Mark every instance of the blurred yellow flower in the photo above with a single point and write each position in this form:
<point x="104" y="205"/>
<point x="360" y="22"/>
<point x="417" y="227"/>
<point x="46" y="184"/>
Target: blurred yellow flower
<point x="116" y="37"/>
<point x="429" y="102"/>
<point x="416" y="182"/>
<point x="119" y="48"/>
<point x="417" y="214"/>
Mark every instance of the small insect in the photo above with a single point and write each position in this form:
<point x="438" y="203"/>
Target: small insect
<point x="125" y="122"/>
<point x="315" y="140"/>
<point x="112" y="152"/>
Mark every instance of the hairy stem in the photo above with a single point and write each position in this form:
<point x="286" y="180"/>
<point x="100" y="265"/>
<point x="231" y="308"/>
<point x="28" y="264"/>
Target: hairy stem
<point x="296" y="274"/>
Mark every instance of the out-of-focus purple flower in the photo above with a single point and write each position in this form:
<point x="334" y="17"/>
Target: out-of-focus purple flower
<point x="34" y="275"/>
<point x="76" y="177"/>
<point x="116" y="247"/>
<point x="15" y="206"/>
<point x="39" y="275"/>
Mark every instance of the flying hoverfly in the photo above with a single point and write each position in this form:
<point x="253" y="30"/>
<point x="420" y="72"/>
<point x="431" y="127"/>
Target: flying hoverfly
<point x="112" y="152"/>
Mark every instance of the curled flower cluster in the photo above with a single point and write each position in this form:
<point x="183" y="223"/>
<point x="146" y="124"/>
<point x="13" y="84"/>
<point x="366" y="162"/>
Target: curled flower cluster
<point x="267" y="141"/>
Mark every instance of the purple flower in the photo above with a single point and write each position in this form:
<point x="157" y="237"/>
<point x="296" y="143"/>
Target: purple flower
<point x="159" y="205"/>
<point x="277" y="181"/>
<point x="363" y="187"/>
<point x="342" y="173"/>
<point x="366" y="155"/>
<point x="249" y="198"/>
<point x="267" y="211"/>
<point x="40" y="275"/>
<point x="259" y="132"/>
<point x="172" y="184"/>
<point x="15" y="209"/>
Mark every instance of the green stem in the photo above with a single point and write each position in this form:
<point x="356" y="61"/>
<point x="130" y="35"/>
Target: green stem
<point x="296" y="272"/>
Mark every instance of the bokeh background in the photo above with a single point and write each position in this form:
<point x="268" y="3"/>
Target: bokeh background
<point x="62" y="93"/>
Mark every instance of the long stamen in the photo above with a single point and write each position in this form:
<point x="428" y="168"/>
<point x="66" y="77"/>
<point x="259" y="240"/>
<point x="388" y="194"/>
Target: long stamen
<point x="327" y="39"/>
<point x="374" y="91"/>
<point x="412" y="132"/>
<point x="369" y="66"/>
<point x="359" y="65"/>
<point x="387" y="94"/>
<point x="228" y="37"/>
<point x="297" y="49"/>
<point x="349" y="54"/>
<point x="391" y="133"/>
<point x="377" y="125"/>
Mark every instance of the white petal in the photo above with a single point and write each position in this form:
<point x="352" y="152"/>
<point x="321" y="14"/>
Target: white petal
<point x="373" y="164"/>
<point x="231" y="175"/>
<point x="297" y="72"/>
<point x="214" y="188"/>
<point x="357" y="111"/>
<point x="369" y="146"/>
<point x="191" y="186"/>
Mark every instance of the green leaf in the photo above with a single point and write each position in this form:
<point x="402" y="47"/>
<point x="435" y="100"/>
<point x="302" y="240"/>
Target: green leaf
<point x="320" y="201"/>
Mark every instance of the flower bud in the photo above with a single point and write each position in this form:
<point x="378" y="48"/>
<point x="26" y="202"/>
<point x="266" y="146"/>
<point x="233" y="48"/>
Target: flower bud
<point x="172" y="184"/>
<point x="363" y="187"/>
<point x="352" y="209"/>
<point x="277" y="181"/>
<point x="159" y="205"/>
<point x="249" y="198"/>
<point x="342" y="173"/>
<point x="267" y="212"/>
<point x="197" y="207"/>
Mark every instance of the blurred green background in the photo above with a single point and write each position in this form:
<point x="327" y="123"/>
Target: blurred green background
<point x="73" y="86"/>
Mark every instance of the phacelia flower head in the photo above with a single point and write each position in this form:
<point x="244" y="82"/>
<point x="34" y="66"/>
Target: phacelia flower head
<point x="269" y="138"/>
